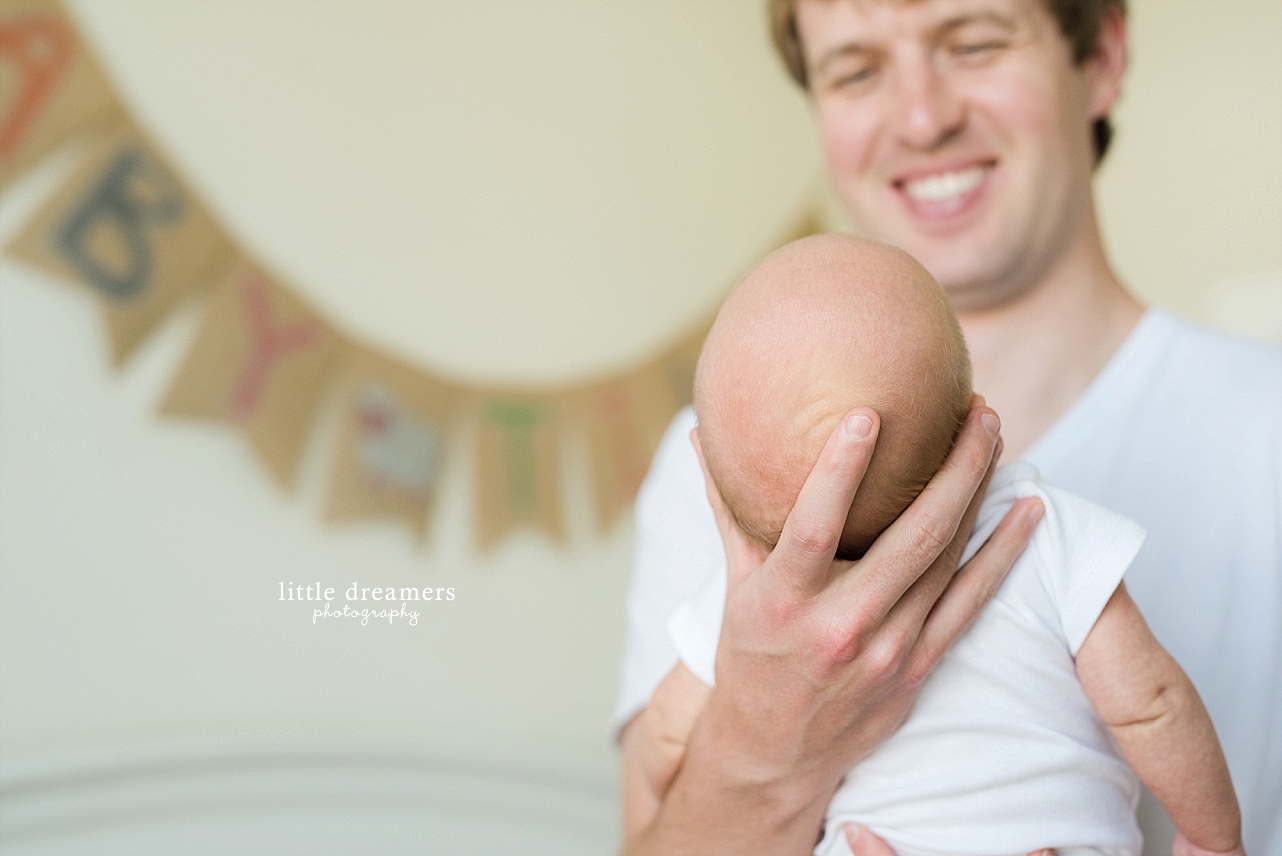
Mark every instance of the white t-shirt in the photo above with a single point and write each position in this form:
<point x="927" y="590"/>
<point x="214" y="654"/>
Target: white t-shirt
<point x="1182" y="432"/>
<point x="1002" y="753"/>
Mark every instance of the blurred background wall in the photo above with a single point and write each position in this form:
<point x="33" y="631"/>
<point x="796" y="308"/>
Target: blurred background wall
<point x="502" y="191"/>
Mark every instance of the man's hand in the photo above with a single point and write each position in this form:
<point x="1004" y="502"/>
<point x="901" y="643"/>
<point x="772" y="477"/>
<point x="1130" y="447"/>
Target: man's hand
<point x="819" y="660"/>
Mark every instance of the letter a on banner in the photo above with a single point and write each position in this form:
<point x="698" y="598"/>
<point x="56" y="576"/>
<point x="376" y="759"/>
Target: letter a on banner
<point x="50" y="87"/>
<point x="392" y="441"/>
<point x="126" y="227"/>
<point x="518" y="467"/>
<point x="259" y="360"/>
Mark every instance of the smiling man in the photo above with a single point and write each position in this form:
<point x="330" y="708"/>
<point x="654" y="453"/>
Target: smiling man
<point x="967" y="132"/>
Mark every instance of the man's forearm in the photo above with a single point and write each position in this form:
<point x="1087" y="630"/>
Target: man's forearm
<point x="725" y="819"/>
<point x="714" y="806"/>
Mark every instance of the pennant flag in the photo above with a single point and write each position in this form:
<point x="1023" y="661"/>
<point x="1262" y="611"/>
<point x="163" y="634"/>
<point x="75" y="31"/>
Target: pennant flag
<point x="678" y="363"/>
<point x="260" y="360"/>
<point x="51" y="88"/>
<point x="624" y="419"/>
<point x="390" y="451"/>
<point x="126" y="227"/>
<point x="518" y="467"/>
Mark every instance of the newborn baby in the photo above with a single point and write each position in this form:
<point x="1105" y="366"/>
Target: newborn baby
<point x="1013" y="743"/>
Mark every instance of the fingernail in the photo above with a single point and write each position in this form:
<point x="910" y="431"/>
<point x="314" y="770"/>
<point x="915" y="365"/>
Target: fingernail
<point x="858" y="426"/>
<point x="1036" y="512"/>
<point x="991" y="423"/>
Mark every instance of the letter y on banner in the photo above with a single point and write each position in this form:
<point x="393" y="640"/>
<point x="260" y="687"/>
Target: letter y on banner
<point x="259" y="360"/>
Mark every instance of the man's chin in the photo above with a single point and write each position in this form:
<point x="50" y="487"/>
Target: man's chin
<point x="969" y="279"/>
<point x="967" y="275"/>
<point x="977" y="297"/>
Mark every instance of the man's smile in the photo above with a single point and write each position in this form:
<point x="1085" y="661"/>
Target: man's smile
<point x="943" y="193"/>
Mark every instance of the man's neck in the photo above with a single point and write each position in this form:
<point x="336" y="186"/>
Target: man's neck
<point x="1033" y="357"/>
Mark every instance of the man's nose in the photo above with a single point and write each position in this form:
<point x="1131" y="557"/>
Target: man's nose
<point x="928" y="112"/>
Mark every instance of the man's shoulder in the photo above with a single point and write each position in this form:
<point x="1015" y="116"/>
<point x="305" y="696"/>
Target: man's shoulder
<point x="1214" y="366"/>
<point x="1174" y="374"/>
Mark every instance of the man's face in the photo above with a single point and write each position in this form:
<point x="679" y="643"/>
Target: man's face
<point x="958" y="130"/>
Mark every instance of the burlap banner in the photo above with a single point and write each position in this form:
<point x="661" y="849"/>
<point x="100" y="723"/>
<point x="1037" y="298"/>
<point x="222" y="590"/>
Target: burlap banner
<point x="395" y="424"/>
<point x="51" y="88"/>
<point x="518" y="470"/>
<point x="624" y="419"/>
<point x="128" y="229"/>
<point x="260" y="360"/>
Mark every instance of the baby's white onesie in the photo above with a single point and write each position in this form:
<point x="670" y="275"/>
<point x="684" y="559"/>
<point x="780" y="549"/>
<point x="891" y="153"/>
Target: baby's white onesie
<point x="1002" y="753"/>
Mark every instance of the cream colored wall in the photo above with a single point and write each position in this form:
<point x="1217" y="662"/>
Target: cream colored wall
<point x="500" y="191"/>
<point x="1191" y="199"/>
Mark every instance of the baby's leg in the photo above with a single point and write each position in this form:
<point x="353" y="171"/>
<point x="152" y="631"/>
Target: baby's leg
<point x="655" y="743"/>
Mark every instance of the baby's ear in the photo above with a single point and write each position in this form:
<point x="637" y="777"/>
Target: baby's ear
<point x="742" y="553"/>
<point x="714" y="493"/>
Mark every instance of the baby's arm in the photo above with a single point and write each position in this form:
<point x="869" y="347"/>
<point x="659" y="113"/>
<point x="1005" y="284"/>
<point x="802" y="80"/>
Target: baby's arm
<point x="655" y="742"/>
<point x="1155" y="715"/>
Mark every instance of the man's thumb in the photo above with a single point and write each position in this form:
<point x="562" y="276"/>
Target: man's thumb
<point x="864" y="843"/>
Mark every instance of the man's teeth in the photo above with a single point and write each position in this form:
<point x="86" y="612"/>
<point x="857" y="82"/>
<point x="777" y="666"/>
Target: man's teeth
<point x="946" y="185"/>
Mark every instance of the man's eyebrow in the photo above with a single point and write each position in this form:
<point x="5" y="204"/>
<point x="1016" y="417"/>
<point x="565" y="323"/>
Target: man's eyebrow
<point x="986" y="16"/>
<point x="982" y="17"/>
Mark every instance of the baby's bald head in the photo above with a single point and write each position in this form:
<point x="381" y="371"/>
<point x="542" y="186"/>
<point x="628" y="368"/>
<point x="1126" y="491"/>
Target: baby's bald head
<point x="822" y="325"/>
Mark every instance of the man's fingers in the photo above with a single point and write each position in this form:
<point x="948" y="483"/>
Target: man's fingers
<point x="932" y="523"/>
<point x="974" y="585"/>
<point x="908" y="615"/>
<point x="803" y="557"/>
<point x="864" y="843"/>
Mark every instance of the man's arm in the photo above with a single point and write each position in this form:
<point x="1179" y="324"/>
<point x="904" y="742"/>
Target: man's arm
<point x="819" y="660"/>
<point x="1161" y="726"/>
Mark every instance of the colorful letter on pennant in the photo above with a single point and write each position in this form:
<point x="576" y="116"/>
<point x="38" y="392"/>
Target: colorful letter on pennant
<point x="125" y="227"/>
<point x="50" y="87"/>
<point x="518" y="467"/>
<point x="260" y="360"/>
<point x="269" y="344"/>
<point x="391" y="447"/>
<point x="106" y="236"/>
<point x="41" y="47"/>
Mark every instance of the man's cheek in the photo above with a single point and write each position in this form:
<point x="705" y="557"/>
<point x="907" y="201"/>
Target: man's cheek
<point x="847" y="133"/>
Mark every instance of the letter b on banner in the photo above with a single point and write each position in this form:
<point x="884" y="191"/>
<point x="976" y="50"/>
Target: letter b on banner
<point x="106" y="237"/>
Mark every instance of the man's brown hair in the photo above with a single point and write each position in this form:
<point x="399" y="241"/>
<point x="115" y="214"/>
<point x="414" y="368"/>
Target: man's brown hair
<point x="1079" y="23"/>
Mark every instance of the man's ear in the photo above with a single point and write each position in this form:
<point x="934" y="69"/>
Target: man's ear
<point x="1106" y="66"/>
